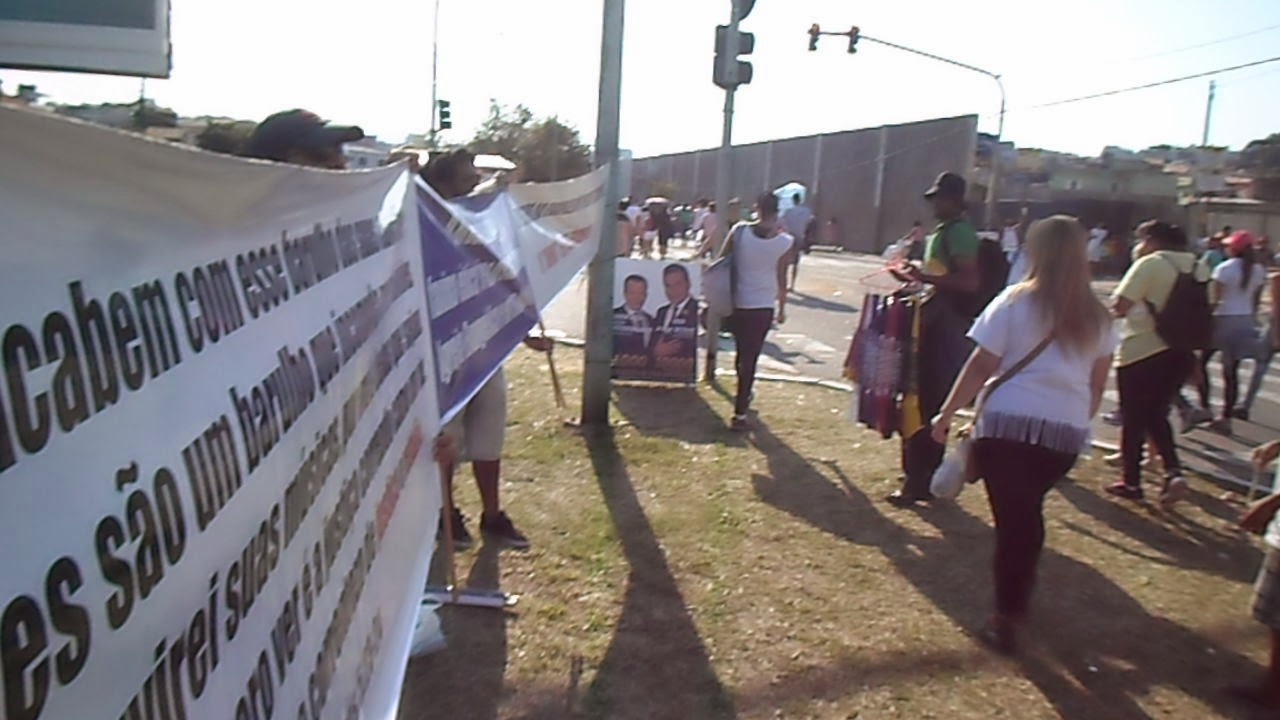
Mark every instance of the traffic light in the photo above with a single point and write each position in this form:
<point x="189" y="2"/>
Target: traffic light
<point x="446" y="119"/>
<point x="814" y="32"/>
<point x="729" y="71"/>
<point x="853" y="39"/>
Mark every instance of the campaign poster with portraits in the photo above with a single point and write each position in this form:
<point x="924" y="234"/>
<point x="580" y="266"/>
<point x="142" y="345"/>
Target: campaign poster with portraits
<point x="655" y="320"/>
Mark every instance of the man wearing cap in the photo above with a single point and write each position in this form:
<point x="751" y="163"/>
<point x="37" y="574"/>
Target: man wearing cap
<point x="950" y="266"/>
<point x="301" y="138"/>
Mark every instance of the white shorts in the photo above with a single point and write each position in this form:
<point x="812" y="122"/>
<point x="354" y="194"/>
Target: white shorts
<point x="480" y="429"/>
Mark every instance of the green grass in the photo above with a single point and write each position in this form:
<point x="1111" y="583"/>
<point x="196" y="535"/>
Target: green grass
<point x="682" y="571"/>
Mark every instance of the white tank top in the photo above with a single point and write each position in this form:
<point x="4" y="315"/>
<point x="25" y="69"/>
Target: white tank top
<point x="756" y="260"/>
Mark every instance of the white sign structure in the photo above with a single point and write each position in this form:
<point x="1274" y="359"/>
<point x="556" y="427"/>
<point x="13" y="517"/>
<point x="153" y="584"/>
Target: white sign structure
<point x="216" y="418"/>
<point x="122" y="37"/>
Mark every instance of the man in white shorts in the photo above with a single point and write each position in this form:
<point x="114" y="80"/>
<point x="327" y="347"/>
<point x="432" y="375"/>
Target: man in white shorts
<point x="479" y="432"/>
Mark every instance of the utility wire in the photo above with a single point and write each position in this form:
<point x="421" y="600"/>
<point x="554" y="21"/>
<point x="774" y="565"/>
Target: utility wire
<point x="1170" y="81"/>
<point x="1209" y="43"/>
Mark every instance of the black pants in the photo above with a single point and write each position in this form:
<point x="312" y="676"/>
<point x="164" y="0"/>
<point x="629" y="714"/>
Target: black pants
<point x="749" y="328"/>
<point x="1147" y="388"/>
<point x="1018" y="476"/>
<point x="1203" y="385"/>
<point x="941" y="352"/>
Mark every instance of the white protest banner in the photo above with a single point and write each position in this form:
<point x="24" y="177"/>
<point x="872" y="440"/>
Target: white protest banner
<point x="559" y="226"/>
<point x="495" y="260"/>
<point x="215" y="432"/>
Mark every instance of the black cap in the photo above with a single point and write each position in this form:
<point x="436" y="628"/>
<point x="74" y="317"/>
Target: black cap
<point x="948" y="185"/>
<point x="280" y="134"/>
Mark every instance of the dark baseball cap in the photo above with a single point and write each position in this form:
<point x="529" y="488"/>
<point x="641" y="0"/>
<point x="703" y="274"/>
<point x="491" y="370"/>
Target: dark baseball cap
<point x="280" y="134"/>
<point x="948" y="185"/>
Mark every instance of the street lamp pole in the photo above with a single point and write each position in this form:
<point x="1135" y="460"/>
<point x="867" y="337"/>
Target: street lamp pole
<point x="995" y="153"/>
<point x="995" y="160"/>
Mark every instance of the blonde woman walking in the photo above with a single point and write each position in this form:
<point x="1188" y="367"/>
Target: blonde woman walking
<point x="1043" y="353"/>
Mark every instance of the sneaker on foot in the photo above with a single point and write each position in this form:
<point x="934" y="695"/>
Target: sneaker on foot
<point x="1113" y="418"/>
<point x="500" y="529"/>
<point x="1175" y="491"/>
<point x="739" y="423"/>
<point x="461" y="537"/>
<point x="1221" y="425"/>
<point x="1121" y="489"/>
<point x="1240" y="414"/>
<point x="1116" y="460"/>
<point x="1193" y="417"/>
<point x="898" y="498"/>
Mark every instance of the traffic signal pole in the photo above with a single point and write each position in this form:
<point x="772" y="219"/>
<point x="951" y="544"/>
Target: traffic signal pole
<point x="724" y="179"/>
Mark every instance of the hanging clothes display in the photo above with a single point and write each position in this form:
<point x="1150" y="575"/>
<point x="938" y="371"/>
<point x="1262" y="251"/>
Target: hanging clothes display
<point x="881" y="362"/>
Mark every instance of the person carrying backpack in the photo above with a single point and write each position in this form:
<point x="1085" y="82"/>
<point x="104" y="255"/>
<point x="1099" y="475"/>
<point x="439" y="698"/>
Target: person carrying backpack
<point x="952" y="267"/>
<point x="1164" y="301"/>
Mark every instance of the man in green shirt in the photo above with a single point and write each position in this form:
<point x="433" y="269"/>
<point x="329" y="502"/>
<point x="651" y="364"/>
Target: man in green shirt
<point x="951" y="267"/>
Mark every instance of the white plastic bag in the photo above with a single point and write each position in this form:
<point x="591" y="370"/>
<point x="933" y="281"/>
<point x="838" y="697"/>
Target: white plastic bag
<point x="951" y="476"/>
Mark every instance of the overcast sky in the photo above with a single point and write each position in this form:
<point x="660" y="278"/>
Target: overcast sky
<point x="370" y="63"/>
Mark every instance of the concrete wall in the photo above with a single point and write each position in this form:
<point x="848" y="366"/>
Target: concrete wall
<point x="870" y="180"/>
<point x="1262" y="218"/>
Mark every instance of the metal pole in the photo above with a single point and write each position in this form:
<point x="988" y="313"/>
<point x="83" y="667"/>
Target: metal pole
<point x="435" y="64"/>
<point x="597" y="373"/>
<point x="1208" y="114"/>
<point x="724" y="177"/>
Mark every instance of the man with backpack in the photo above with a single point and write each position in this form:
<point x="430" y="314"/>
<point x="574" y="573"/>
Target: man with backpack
<point x="1164" y="302"/>
<point x="965" y="273"/>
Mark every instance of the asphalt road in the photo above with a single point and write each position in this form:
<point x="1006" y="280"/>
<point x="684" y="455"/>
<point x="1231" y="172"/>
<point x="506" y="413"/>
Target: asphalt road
<point x="823" y="312"/>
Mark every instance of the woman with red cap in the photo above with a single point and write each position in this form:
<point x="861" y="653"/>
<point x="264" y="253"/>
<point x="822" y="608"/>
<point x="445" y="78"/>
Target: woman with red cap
<point x="1235" y="294"/>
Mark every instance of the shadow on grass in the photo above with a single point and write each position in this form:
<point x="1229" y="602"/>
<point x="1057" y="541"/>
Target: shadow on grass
<point x="1203" y="549"/>
<point x="657" y="665"/>
<point x="680" y="413"/>
<point x="465" y="680"/>
<point x="1093" y="651"/>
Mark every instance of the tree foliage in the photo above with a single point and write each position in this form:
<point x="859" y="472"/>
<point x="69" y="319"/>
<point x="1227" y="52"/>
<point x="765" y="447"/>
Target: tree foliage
<point x="545" y="149"/>
<point x="1262" y="155"/>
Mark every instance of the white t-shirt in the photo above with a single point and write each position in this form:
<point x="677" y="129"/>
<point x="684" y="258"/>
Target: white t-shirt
<point x="1020" y="269"/>
<point x="1233" y="299"/>
<point x="796" y="219"/>
<point x="756" y="260"/>
<point x="1096" y="237"/>
<point x="1047" y="402"/>
<point x="1009" y="240"/>
<point x="634" y="212"/>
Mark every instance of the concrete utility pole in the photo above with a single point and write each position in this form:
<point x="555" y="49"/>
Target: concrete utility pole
<point x="1208" y="114"/>
<point x="724" y="182"/>
<point x="597" y="381"/>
